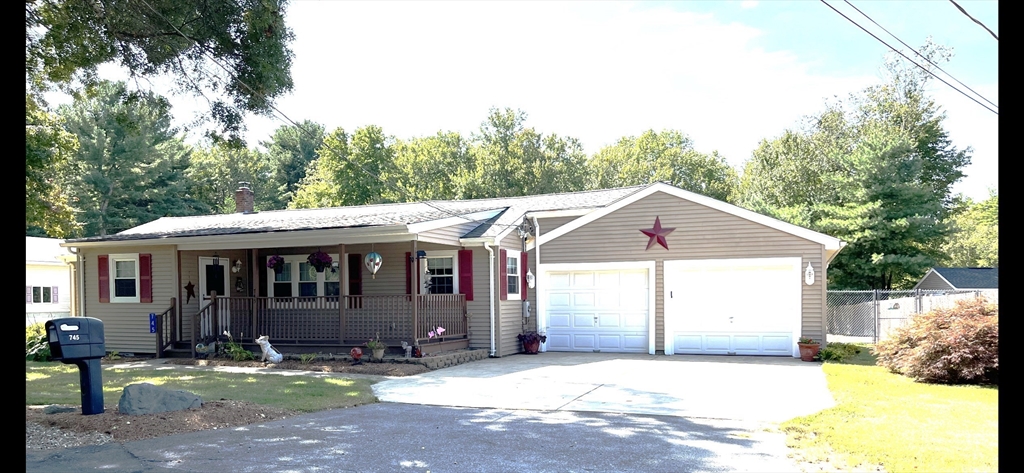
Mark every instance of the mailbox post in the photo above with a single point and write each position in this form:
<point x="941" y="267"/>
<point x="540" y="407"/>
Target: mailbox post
<point x="79" y="341"/>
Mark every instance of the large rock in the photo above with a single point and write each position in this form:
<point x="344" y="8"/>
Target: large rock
<point x="146" y="398"/>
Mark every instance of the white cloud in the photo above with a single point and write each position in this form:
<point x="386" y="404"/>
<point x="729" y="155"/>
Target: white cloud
<point x="747" y="4"/>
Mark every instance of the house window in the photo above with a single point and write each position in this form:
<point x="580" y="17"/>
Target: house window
<point x="512" y="276"/>
<point x="440" y="275"/>
<point x="124" y="278"/>
<point x="42" y="295"/>
<point x="298" y="278"/>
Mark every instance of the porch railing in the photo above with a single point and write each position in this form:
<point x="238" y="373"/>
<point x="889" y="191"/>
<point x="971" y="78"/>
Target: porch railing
<point x="318" y="320"/>
<point x="166" y="328"/>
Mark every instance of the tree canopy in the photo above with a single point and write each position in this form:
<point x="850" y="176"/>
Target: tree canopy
<point x="66" y="40"/>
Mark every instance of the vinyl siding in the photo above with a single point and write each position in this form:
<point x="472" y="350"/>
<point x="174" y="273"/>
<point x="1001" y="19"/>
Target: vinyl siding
<point x="190" y="274"/>
<point x="700" y="233"/>
<point x="511" y="311"/>
<point x="126" y="325"/>
<point x="933" y="282"/>
<point x="547" y="225"/>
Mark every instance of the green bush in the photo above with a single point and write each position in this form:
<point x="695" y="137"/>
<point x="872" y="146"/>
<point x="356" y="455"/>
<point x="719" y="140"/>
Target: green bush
<point x="837" y="351"/>
<point x="235" y="350"/>
<point x="37" y="346"/>
<point x="959" y="345"/>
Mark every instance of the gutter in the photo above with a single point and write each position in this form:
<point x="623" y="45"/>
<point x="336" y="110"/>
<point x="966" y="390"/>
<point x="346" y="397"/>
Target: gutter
<point x="490" y="283"/>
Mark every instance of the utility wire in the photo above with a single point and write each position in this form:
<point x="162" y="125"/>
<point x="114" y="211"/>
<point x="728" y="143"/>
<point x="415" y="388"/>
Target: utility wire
<point x="919" y="54"/>
<point x="958" y="7"/>
<point x="285" y="117"/>
<point x="907" y="58"/>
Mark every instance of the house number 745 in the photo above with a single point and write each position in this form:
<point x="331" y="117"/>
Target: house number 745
<point x="73" y="337"/>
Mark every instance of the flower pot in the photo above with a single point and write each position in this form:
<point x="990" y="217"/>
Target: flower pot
<point x="532" y="347"/>
<point x="378" y="353"/>
<point x="808" y="351"/>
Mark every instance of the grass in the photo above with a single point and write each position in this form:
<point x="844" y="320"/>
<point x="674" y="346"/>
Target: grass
<point x="58" y="383"/>
<point x="886" y="419"/>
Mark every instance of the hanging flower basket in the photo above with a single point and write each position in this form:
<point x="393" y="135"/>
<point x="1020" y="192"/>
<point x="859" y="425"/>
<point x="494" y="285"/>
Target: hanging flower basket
<point x="320" y="261"/>
<point x="276" y="262"/>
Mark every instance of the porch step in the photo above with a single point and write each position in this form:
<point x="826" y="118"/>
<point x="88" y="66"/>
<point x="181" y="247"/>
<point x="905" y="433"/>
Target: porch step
<point x="175" y="352"/>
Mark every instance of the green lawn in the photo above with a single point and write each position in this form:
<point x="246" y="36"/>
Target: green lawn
<point x="886" y="419"/>
<point x="58" y="383"/>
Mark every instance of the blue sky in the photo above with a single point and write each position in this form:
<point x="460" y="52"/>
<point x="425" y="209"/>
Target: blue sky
<point x="726" y="73"/>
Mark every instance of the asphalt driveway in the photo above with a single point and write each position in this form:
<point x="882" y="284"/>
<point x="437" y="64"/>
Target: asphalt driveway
<point x="744" y="388"/>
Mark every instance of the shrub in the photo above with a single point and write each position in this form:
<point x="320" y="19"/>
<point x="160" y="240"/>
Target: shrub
<point x="959" y="345"/>
<point x="836" y="351"/>
<point x="37" y="346"/>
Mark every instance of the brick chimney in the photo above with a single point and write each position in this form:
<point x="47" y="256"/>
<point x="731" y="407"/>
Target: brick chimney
<point x="244" y="198"/>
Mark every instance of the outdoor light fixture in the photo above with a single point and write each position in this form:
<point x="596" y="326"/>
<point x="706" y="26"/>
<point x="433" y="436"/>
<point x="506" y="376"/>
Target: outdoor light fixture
<point x="525" y="229"/>
<point x="237" y="267"/>
<point x="809" y="274"/>
<point x="216" y="260"/>
<point x="530" y="279"/>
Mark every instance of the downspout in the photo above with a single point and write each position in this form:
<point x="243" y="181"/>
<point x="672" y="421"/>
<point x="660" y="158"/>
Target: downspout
<point x="536" y="264"/>
<point x="490" y="283"/>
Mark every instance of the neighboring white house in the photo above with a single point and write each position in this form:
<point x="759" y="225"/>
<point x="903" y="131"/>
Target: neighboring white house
<point x="47" y="280"/>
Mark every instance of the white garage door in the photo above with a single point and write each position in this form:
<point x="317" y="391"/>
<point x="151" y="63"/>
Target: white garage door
<point x="597" y="310"/>
<point x="745" y="306"/>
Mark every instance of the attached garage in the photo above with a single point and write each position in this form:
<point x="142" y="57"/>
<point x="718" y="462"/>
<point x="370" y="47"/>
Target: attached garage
<point x="599" y="308"/>
<point x="738" y="306"/>
<point x="668" y="271"/>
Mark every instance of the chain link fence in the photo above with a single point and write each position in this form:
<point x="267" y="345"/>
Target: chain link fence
<point x="869" y="316"/>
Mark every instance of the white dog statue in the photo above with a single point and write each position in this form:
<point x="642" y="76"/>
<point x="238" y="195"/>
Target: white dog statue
<point x="268" y="350"/>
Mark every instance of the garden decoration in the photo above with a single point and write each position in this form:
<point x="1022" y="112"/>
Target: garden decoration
<point x="320" y="260"/>
<point x="373" y="261"/>
<point x="268" y="350"/>
<point x="357" y="355"/>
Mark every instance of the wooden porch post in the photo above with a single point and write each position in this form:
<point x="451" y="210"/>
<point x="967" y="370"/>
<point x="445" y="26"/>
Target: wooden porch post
<point x="415" y="294"/>
<point x="254" y="288"/>
<point x="342" y="268"/>
<point x="214" y="325"/>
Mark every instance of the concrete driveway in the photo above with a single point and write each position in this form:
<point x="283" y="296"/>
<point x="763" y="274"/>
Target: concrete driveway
<point x="746" y="388"/>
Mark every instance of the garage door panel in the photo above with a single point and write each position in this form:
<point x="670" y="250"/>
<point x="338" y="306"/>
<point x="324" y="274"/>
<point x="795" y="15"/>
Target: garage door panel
<point x="559" y="342"/>
<point x="607" y="310"/>
<point x="780" y="344"/>
<point x="746" y="343"/>
<point x="559" y="320"/>
<point x="558" y="281"/>
<point x="689" y="343"/>
<point x="558" y="299"/>
<point x="717" y="343"/>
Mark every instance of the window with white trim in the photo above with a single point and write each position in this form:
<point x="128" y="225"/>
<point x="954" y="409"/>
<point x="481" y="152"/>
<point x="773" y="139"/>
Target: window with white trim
<point x="42" y="295"/>
<point x="512" y="275"/>
<point x="124" y="278"/>
<point x="298" y="278"/>
<point x="439" y="273"/>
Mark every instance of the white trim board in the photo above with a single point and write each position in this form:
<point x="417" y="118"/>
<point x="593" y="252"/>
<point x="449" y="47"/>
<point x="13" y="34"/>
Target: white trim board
<point x="542" y="281"/>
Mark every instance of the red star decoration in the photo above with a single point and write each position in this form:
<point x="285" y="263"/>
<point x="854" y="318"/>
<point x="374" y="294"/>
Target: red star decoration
<point x="190" y="291"/>
<point x="657" y="234"/>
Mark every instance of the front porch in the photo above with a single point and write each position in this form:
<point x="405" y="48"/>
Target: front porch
<point x="294" y="322"/>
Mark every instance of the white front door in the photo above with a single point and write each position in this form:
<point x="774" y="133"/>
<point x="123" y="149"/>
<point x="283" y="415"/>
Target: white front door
<point x="597" y="310"/>
<point x="743" y="306"/>
<point x="214" y="278"/>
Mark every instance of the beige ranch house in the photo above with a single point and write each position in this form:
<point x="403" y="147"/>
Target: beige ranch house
<point x="648" y="269"/>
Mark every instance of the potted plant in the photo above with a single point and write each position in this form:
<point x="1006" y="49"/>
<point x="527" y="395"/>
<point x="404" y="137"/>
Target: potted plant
<point x="808" y="348"/>
<point x="377" y="347"/>
<point x="531" y="341"/>
<point x="320" y="260"/>
<point x="276" y="263"/>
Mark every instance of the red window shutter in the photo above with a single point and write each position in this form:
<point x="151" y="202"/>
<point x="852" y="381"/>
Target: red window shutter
<point x="104" y="274"/>
<point x="408" y="272"/>
<point x="53" y="294"/>
<point x="28" y="294"/>
<point x="466" y="273"/>
<point x="523" y="267"/>
<point x="146" y="278"/>
<point x="502" y="275"/>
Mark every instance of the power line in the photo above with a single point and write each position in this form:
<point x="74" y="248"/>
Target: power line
<point x="958" y="7"/>
<point x="907" y="58"/>
<point x="285" y="117"/>
<point x="919" y="54"/>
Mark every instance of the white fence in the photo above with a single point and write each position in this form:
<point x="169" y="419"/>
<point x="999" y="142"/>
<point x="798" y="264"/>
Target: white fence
<point x="872" y="315"/>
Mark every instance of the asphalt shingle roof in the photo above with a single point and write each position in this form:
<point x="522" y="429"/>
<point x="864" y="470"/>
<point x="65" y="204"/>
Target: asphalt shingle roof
<point x="971" y="278"/>
<point x="369" y="216"/>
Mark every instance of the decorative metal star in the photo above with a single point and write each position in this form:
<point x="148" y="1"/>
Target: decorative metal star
<point x="657" y="234"/>
<point x="190" y="291"/>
